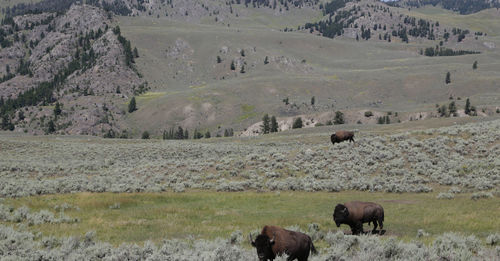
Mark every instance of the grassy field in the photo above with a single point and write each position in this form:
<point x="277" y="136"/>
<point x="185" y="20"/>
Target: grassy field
<point x="155" y="216"/>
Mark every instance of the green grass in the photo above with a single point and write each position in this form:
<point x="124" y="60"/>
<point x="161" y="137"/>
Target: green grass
<point x="154" y="216"/>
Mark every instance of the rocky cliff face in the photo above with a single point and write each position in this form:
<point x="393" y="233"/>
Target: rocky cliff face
<point x="75" y="60"/>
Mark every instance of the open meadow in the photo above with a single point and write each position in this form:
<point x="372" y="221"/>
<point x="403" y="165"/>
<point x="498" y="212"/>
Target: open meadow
<point x="82" y="197"/>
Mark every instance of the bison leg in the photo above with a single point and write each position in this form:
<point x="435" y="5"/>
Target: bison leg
<point x="351" y="139"/>
<point x="357" y="228"/>
<point x="374" y="226"/>
<point x="381" y="223"/>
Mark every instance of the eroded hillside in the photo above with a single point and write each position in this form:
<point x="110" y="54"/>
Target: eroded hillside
<point x="65" y="72"/>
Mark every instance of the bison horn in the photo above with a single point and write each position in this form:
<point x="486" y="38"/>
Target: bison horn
<point x="272" y="239"/>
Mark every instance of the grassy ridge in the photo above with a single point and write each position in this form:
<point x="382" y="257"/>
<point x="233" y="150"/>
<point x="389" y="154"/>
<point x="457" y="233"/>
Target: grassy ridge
<point x="154" y="216"/>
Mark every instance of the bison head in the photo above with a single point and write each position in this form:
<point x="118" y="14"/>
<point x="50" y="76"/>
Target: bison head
<point x="340" y="214"/>
<point x="333" y="138"/>
<point x="264" y="245"/>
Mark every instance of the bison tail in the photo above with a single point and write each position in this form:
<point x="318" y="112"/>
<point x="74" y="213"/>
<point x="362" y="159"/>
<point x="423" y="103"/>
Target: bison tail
<point x="313" y="249"/>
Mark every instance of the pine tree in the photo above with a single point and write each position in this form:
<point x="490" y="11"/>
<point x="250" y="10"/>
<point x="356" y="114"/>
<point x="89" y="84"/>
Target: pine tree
<point x="467" y="107"/>
<point x="186" y="134"/>
<point x="313" y="100"/>
<point x="266" y="60"/>
<point x="180" y="133"/>
<point x="233" y="67"/>
<point x="242" y="69"/>
<point x="274" y="124"/>
<point x="207" y="135"/>
<point x="219" y="60"/>
<point x="452" y="108"/>
<point x="5" y="121"/>
<point x="132" y="106"/>
<point x="57" y="109"/>
<point x="448" y="78"/>
<point x="339" y="118"/>
<point x="474" y="65"/>
<point x="297" y="123"/>
<point x="52" y="126"/>
<point x="145" y="135"/>
<point x="265" y="124"/>
<point x="136" y="53"/>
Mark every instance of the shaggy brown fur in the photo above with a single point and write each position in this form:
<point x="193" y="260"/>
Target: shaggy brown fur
<point x="274" y="241"/>
<point x="341" y="136"/>
<point x="355" y="213"/>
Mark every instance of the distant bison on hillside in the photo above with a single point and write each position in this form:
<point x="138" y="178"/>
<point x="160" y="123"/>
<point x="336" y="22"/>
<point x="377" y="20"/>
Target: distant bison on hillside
<point x="341" y="136"/>
<point x="274" y="241"/>
<point x="355" y="213"/>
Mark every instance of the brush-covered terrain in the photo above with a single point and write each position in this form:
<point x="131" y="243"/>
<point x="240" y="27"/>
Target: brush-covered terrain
<point x="155" y="199"/>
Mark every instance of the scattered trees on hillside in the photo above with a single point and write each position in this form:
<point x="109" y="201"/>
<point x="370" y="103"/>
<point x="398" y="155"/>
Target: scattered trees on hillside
<point x="269" y="125"/>
<point x="448" y="78"/>
<point x="474" y="65"/>
<point x="384" y="120"/>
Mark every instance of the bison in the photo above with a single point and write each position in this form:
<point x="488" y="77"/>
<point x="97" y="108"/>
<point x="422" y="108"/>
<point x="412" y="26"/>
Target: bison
<point x="341" y="136"/>
<point x="355" y="213"/>
<point x="274" y="241"/>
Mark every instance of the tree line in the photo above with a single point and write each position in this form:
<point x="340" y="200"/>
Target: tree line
<point x="442" y="51"/>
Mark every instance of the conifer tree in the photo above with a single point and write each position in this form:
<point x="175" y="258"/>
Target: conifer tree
<point x="339" y="118"/>
<point x="274" y="124"/>
<point x="467" y="107"/>
<point x="297" y="123"/>
<point x="265" y="127"/>
<point x="132" y="106"/>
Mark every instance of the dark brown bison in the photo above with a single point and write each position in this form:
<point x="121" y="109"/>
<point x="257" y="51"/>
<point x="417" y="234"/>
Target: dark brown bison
<point x="341" y="136"/>
<point x="274" y="241"/>
<point x="355" y="213"/>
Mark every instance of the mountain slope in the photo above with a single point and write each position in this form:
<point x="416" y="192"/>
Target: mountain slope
<point x="463" y="6"/>
<point x="74" y="59"/>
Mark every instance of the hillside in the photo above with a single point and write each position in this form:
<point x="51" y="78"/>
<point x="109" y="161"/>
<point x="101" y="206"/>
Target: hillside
<point x="463" y="7"/>
<point x="72" y="61"/>
<point x="222" y="65"/>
